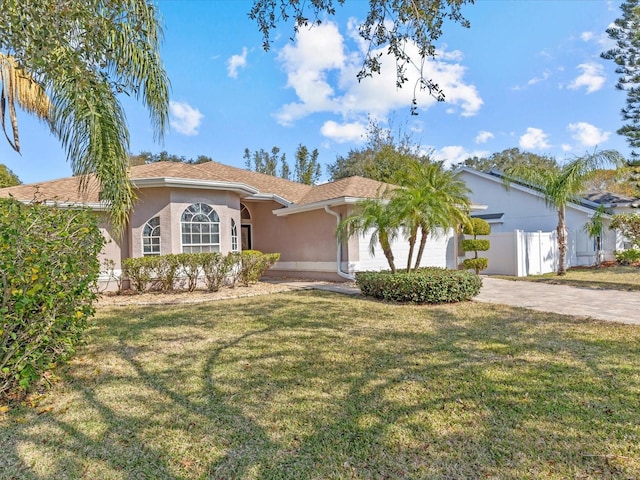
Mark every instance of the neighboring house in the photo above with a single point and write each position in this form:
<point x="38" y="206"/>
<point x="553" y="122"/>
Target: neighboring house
<point x="215" y="207"/>
<point x="520" y="208"/>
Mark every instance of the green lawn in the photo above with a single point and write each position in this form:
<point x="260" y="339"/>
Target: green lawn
<point x="319" y="385"/>
<point x="615" y="278"/>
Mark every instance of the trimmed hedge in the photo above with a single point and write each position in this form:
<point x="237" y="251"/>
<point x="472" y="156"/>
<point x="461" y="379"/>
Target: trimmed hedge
<point x="475" y="245"/>
<point x="169" y="272"/>
<point x="426" y="285"/>
<point x="48" y="272"/>
<point x="627" y="257"/>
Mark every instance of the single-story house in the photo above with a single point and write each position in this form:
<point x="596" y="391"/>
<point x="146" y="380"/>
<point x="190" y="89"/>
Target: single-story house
<point x="215" y="207"/>
<point x="523" y="209"/>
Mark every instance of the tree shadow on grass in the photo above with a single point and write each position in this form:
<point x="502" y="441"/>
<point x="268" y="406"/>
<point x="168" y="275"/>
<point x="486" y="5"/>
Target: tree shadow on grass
<point x="315" y="385"/>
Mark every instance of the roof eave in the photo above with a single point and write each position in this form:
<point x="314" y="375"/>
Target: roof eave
<point x="240" y="188"/>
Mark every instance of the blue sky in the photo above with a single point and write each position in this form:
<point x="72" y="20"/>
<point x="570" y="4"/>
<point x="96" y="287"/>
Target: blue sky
<point x="527" y="74"/>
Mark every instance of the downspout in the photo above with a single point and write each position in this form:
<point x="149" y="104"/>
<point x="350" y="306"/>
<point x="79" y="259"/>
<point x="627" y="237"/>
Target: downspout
<point x="339" y="271"/>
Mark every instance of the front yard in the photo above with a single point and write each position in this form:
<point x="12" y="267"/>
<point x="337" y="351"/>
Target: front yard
<point x="319" y="385"/>
<point x="615" y="277"/>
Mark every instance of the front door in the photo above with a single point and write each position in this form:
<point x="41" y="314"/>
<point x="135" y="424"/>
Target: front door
<point x="245" y="231"/>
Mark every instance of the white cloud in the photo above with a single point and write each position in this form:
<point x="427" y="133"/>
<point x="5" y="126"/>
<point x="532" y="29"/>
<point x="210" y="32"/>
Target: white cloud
<point x="586" y="36"/>
<point x="535" y="138"/>
<point x="545" y="75"/>
<point x="345" y="132"/>
<point x="484" y="136"/>
<point x="588" y="135"/>
<point x="184" y="118"/>
<point x="236" y="62"/>
<point x="454" y="154"/>
<point x="592" y="77"/>
<point x="322" y="72"/>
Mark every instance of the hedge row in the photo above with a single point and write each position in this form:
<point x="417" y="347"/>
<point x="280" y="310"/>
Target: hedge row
<point x="184" y="270"/>
<point x="426" y="285"/>
<point x="48" y="270"/>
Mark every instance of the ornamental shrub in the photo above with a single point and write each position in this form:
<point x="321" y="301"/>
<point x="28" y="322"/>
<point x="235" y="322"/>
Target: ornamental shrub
<point x="253" y="264"/>
<point x="628" y="257"/>
<point x="164" y="270"/>
<point x="189" y="265"/>
<point x="475" y="227"/>
<point x="48" y="278"/>
<point x="139" y="271"/>
<point x="216" y="268"/>
<point x="426" y="285"/>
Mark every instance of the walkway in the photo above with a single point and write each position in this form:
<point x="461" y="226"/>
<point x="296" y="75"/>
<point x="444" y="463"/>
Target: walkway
<point x="610" y="305"/>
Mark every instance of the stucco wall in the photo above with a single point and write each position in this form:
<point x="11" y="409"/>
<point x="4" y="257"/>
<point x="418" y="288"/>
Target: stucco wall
<point x="306" y="241"/>
<point x="169" y="204"/>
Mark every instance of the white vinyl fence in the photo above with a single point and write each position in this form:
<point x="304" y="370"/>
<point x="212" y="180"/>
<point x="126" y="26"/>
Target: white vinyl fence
<point x="520" y="253"/>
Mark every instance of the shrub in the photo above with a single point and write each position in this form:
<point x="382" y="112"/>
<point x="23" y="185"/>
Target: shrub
<point x="48" y="273"/>
<point x="139" y="271"/>
<point x="475" y="227"/>
<point x="216" y="268"/>
<point x="164" y="270"/>
<point x="253" y="264"/>
<point x="629" y="225"/>
<point x="189" y="265"/>
<point x="628" y="257"/>
<point x="426" y="285"/>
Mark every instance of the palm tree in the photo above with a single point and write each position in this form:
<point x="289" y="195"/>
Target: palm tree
<point x="595" y="229"/>
<point x="376" y="216"/>
<point x="18" y="87"/>
<point x="431" y="198"/>
<point x="84" y="55"/>
<point x="560" y="186"/>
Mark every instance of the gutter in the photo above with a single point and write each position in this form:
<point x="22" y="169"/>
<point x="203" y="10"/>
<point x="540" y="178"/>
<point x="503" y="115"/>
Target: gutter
<point x="339" y="271"/>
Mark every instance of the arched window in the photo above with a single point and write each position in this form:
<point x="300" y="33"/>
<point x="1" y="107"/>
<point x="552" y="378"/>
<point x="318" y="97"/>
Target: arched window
<point x="151" y="237"/>
<point x="200" y="229"/>
<point x="244" y="212"/>
<point x="234" y="236"/>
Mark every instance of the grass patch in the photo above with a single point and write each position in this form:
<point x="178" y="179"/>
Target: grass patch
<point x="605" y="278"/>
<point x="319" y="385"/>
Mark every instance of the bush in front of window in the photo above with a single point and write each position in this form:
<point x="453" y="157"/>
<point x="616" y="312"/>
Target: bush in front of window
<point x="48" y="272"/>
<point x="168" y="272"/>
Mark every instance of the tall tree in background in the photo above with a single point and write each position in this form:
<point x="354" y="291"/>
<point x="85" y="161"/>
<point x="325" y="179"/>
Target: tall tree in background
<point x="262" y="161"/>
<point x="507" y="159"/>
<point x="307" y="170"/>
<point x="626" y="56"/>
<point x="145" y="157"/>
<point x="83" y="54"/>
<point x="385" y="154"/>
<point x="7" y="177"/>
<point x="560" y="186"/>
<point x="389" y="27"/>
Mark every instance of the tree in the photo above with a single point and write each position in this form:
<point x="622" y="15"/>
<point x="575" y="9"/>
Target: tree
<point x="7" y="177"/>
<point x="389" y="25"/>
<point x="372" y="215"/>
<point x="262" y="161"/>
<point x="84" y="54"/>
<point x="508" y="158"/>
<point x="307" y="169"/>
<point x="560" y="186"/>
<point x="475" y="227"/>
<point x="626" y="56"/>
<point x="595" y="229"/>
<point x="385" y="154"/>
<point x="431" y="198"/>
<point x="629" y="225"/>
<point x="145" y="157"/>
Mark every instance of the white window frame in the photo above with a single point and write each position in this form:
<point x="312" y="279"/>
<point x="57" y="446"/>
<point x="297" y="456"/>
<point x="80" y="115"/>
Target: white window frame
<point x="234" y="236"/>
<point x="151" y="241"/>
<point x="200" y="229"/>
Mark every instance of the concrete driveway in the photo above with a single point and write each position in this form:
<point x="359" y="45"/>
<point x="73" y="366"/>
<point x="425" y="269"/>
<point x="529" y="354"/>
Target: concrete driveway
<point x="609" y="305"/>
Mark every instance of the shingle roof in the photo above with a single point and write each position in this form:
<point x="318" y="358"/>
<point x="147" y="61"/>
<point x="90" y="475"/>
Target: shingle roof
<point x="609" y="198"/>
<point x="357" y="187"/>
<point x="66" y="189"/>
